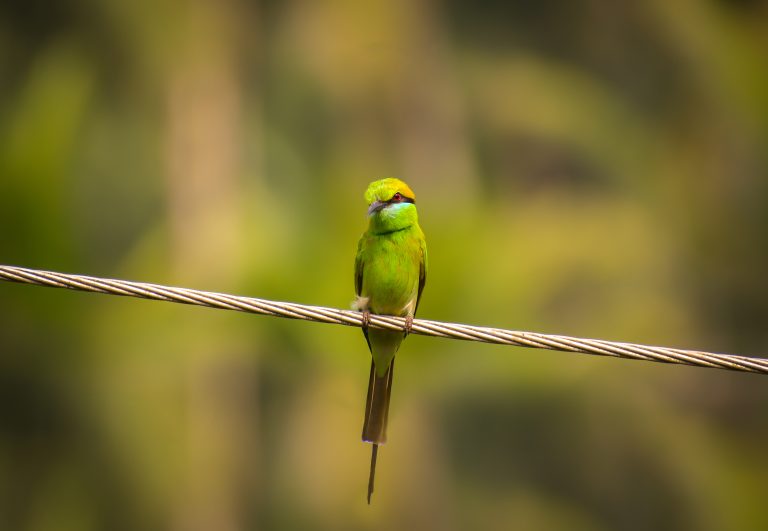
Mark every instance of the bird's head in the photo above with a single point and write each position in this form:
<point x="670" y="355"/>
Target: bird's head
<point x="391" y="205"/>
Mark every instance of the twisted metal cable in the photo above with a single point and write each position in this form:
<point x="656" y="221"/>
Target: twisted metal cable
<point x="352" y="318"/>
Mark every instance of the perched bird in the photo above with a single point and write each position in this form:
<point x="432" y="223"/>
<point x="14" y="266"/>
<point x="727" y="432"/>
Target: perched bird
<point x="390" y="271"/>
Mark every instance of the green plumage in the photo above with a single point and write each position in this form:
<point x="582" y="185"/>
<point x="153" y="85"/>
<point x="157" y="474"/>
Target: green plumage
<point x="390" y="272"/>
<point x="391" y="269"/>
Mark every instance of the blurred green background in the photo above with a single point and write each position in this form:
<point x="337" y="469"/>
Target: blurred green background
<point x="590" y="168"/>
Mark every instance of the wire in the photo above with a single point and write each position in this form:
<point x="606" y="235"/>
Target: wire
<point x="353" y="318"/>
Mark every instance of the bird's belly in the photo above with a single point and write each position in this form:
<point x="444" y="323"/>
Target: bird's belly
<point x="391" y="289"/>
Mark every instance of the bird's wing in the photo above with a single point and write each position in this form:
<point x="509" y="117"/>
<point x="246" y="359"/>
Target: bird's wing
<point x="359" y="267"/>
<point x="422" y="273"/>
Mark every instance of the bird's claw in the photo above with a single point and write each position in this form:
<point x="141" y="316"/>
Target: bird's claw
<point x="408" y="326"/>
<point x="366" y="319"/>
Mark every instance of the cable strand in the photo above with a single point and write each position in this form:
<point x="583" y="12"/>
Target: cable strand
<point x="424" y="327"/>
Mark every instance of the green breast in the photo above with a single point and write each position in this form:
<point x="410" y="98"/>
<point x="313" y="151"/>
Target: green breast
<point x="391" y="266"/>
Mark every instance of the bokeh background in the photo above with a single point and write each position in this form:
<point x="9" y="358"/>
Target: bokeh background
<point x="588" y="167"/>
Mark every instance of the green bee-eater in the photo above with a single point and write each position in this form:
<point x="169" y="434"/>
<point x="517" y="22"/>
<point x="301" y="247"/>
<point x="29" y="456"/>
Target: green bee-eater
<point x="390" y="271"/>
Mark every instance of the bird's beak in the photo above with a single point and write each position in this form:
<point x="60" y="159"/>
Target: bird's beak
<point x="376" y="206"/>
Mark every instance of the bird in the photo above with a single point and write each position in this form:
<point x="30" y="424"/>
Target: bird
<point x="390" y="273"/>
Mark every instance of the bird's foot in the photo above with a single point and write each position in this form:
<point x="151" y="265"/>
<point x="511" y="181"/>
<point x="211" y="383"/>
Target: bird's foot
<point x="366" y="319"/>
<point x="408" y="326"/>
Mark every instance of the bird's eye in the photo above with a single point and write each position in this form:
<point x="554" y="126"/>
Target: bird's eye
<point x="397" y="197"/>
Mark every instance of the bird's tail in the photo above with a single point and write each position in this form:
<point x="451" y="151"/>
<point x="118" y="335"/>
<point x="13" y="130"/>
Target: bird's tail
<point x="376" y="412"/>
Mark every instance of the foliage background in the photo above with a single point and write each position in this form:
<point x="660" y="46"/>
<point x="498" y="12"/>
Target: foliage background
<point x="589" y="167"/>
